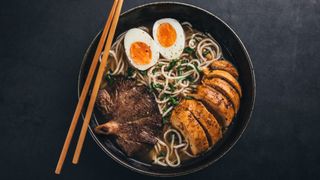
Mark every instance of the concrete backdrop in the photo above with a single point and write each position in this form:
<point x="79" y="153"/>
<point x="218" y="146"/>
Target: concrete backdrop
<point x="41" y="47"/>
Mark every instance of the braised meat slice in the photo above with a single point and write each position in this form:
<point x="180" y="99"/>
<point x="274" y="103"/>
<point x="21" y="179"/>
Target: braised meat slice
<point x="124" y="101"/>
<point x="136" y="120"/>
<point x="130" y="147"/>
<point x="140" y="130"/>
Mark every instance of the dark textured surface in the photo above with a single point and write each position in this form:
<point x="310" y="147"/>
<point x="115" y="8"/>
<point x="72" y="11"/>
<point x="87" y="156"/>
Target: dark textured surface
<point x="41" y="48"/>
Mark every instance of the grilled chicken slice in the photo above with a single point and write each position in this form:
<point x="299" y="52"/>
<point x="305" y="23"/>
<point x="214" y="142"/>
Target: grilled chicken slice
<point x="205" y="118"/>
<point x="217" y="104"/>
<point x="226" y="89"/>
<point x="225" y="76"/>
<point x="226" y="66"/>
<point x="183" y="121"/>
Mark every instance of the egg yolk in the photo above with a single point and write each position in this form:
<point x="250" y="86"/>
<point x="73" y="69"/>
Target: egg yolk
<point x="141" y="53"/>
<point x="166" y="35"/>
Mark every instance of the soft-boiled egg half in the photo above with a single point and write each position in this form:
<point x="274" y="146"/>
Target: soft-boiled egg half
<point x="141" y="49"/>
<point x="169" y="36"/>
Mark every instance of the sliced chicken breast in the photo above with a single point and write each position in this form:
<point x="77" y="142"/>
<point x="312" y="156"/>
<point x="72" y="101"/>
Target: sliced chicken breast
<point x="217" y="104"/>
<point x="226" y="89"/>
<point x="183" y="121"/>
<point x="225" y="76"/>
<point x="226" y="66"/>
<point x="205" y="118"/>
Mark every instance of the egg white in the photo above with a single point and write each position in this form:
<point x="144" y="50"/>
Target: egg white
<point x="175" y="50"/>
<point x="138" y="35"/>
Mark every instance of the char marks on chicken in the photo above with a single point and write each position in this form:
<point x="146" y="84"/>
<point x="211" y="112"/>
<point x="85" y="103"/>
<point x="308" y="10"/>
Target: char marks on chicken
<point x="136" y="120"/>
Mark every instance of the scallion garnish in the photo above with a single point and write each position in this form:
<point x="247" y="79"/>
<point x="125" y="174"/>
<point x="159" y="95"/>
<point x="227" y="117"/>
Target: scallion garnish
<point x="174" y="101"/>
<point x="130" y="71"/>
<point x="189" y="50"/>
<point x="162" y="154"/>
<point x="109" y="79"/>
<point x="171" y="86"/>
<point x="172" y="64"/>
<point x="189" y="78"/>
<point x="143" y="73"/>
<point x="206" y="52"/>
<point x="165" y="119"/>
<point x="188" y="97"/>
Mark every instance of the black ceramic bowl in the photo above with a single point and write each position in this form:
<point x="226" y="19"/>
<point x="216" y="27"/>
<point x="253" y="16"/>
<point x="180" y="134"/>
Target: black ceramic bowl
<point x="233" y="50"/>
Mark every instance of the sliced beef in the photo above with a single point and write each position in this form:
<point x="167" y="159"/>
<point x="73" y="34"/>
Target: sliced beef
<point x="130" y="147"/>
<point x="141" y="130"/>
<point x="124" y="101"/>
<point x="136" y="120"/>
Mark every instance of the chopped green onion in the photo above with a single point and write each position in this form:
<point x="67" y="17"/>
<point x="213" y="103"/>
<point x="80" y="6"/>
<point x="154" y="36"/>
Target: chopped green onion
<point x="188" y="68"/>
<point x="189" y="78"/>
<point x="164" y="96"/>
<point x="154" y="87"/>
<point x="172" y="64"/>
<point x="165" y="119"/>
<point x="184" y="61"/>
<point x="109" y="79"/>
<point x="189" y="50"/>
<point x="165" y="109"/>
<point x="143" y="73"/>
<point x="197" y="68"/>
<point x="154" y="71"/>
<point x="174" y="101"/>
<point x="151" y="88"/>
<point x="188" y="97"/>
<point x="162" y="154"/>
<point x="171" y="86"/>
<point x="179" y="68"/>
<point x="206" y="52"/>
<point x="159" y="86"/>
<point x="130" y="71"/>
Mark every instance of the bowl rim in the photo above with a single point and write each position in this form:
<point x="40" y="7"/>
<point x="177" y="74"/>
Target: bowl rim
<point x="192" y="170"/>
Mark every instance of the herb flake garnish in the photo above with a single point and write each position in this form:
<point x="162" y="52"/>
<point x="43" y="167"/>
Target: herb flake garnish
<point x="109" y="78"/>
<point x="172" y="64"/>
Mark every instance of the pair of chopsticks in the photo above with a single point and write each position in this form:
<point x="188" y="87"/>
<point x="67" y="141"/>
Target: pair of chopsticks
<point x="108" y="33"/>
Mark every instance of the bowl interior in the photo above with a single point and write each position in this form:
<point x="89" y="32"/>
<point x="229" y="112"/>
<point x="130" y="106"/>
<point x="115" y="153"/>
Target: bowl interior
<point x="233" y="50"/>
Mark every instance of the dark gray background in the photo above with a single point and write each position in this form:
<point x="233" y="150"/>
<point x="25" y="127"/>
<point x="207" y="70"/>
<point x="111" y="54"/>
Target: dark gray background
<point x="41" y="47"/>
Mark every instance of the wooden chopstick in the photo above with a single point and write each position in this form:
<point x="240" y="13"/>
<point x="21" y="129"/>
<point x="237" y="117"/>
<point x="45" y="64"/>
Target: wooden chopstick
<point x="85" y="89"/>
<point x="96" y="86"/>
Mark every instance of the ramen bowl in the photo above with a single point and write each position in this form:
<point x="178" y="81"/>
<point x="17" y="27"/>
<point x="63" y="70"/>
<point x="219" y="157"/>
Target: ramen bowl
<point x="233" y="50"/>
